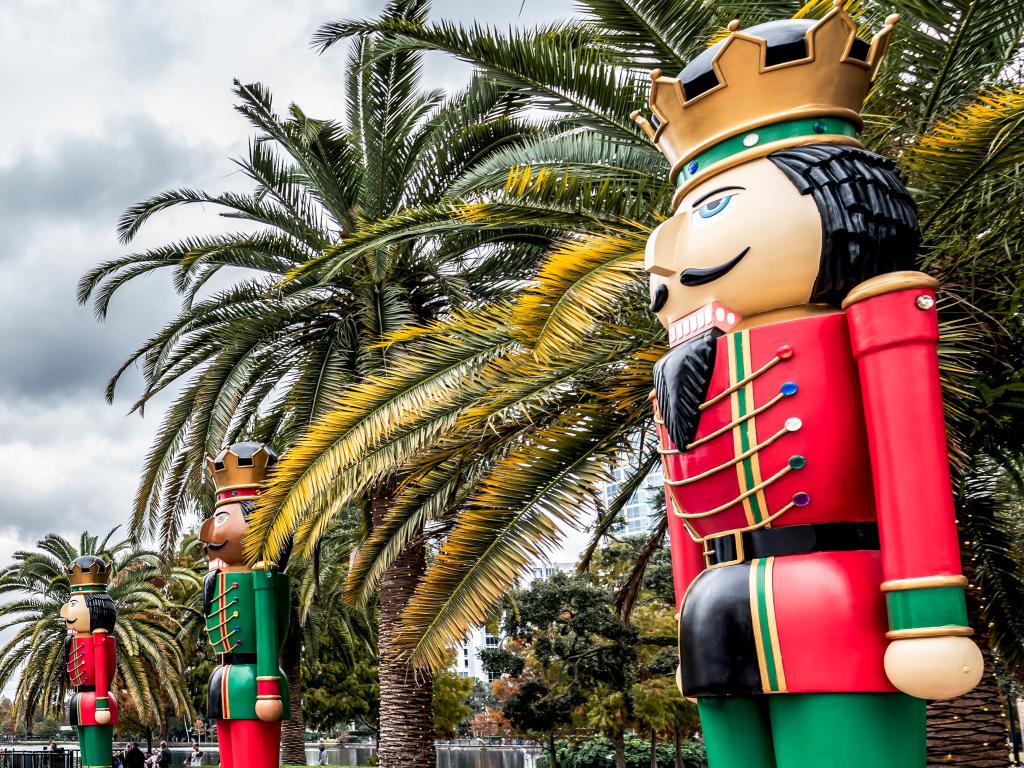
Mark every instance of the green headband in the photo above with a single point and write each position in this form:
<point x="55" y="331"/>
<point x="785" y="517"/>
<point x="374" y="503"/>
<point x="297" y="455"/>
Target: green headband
<point x="77" y="589"/>
<point x="767" y="134"/>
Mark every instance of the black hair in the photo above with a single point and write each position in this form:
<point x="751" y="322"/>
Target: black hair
<point x="247" y="507"/>
<point x="868" y="219"/>
<point x="102" y="612"/>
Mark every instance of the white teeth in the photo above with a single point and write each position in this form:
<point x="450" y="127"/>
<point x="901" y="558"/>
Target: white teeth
<point x="720" y="314"/>
<point x="707" y="315"/>
<point x="730" y="318"/>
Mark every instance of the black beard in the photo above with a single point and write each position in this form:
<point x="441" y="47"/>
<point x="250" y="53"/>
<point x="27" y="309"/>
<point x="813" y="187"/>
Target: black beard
<point x="681" y="381"/>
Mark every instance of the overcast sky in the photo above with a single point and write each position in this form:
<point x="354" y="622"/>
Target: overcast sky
<point x="106" y="103"/>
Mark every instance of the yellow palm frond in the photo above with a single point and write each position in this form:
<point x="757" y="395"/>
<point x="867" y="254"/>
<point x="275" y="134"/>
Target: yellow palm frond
<point x="580" y="284"/>
<point x="983" y="139"/>
<point x="513" y="518"/>
<point x="417" y="385"/>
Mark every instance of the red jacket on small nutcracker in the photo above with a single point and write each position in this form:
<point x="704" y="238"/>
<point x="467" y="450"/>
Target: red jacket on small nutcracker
<point x="91" y="664"/>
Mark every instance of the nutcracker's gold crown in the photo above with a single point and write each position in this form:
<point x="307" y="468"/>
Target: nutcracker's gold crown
<point x="746" y="104"/>
<point x="241" y="470"/>
<point x="88" y="574"/>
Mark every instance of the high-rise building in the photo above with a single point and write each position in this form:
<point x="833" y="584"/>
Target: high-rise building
<point x="641" y="511"/>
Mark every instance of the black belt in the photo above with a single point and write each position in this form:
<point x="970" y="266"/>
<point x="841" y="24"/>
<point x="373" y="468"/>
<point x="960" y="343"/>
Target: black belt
<point x="238" y="658"/>
<point x="739" y="547"/>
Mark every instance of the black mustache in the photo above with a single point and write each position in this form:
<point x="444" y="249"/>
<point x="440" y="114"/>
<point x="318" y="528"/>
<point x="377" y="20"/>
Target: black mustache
<point x="702" y="276"/>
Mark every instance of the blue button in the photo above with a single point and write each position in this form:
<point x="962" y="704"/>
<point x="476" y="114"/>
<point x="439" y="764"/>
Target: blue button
<point x="789" y="388"/>
<point x="692" y="167"/>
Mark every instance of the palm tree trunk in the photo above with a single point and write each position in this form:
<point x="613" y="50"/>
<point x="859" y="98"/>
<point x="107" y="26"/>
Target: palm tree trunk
<point x="970" y="731"/>
<point x="293" y="730"/>
<point x="406" y="695"/>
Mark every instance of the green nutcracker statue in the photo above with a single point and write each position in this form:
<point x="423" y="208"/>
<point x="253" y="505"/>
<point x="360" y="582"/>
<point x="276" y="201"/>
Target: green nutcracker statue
<point x="90" y="615"/>
<point x="246" y="617"/>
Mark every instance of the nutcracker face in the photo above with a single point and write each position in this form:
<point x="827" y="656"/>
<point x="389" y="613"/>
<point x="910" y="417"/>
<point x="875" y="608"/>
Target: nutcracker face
<point x="75" y="613"/>
<point x="223" y="535"/>
<point x="746" y="238"/>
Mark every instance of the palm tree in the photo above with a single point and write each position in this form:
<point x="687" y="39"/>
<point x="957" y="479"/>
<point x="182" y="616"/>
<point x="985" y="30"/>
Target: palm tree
<point x="274" y="351"/>
<point x="554" y="381"/>
<point x="150" y="662"/>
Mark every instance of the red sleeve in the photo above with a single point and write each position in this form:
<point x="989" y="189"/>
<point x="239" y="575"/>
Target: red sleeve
<point x="99" y="648"/>
<point x="687" y="554"/>
<point x="894" y="333"/>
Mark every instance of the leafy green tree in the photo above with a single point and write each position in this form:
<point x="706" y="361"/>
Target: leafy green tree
<point x="572" y="651"/>
<point x="450" y="702"/>
<point x="150" y="661"/>
<point x="336" y="692"/>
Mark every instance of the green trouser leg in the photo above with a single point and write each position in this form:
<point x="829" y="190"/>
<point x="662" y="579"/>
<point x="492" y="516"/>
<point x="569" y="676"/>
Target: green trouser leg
<point x="736" y="732"/>
<point x="97" y="744"/>
<point x="83" y="746"/>
<point x="848" y="730"/>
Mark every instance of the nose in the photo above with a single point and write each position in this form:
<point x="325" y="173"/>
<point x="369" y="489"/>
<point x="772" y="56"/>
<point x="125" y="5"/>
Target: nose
<point x="661" y="256"/>
<point x="205" y="530"/>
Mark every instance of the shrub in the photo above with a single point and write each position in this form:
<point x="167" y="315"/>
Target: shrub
<point x="599" y="752"/>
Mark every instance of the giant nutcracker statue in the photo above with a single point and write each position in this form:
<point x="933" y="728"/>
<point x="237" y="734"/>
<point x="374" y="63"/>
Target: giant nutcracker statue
<point x="814" y="547"/>
<point x="246" y="618"/>
<point x="90" y="615"/>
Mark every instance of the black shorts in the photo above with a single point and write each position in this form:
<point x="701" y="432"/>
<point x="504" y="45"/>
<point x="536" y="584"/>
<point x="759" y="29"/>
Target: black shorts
<point x="717" y="651"/>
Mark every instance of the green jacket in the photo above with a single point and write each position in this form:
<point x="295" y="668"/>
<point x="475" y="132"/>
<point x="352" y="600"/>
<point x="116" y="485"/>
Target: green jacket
<point x="246" y="621"/>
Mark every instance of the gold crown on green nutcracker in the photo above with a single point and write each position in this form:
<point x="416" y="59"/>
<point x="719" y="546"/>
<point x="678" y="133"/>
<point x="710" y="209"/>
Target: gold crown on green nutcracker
<point x="748" y="95"/>
<point x="241" y="471"/>
<point x="88" y="574"/>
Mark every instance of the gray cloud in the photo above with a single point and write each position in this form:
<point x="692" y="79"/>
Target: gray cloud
<point x="106" y="104"/>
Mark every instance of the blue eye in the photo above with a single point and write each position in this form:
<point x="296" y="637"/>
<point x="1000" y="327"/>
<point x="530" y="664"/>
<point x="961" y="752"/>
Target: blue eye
<point x="714" y="207"/>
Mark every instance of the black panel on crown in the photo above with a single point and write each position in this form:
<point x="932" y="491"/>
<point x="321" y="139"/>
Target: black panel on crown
<point x="787" y="41"/>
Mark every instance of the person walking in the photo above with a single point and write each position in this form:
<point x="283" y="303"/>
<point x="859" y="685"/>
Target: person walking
<point x="321" y="758"/>
<point x="195" y="759"/>
<point x="163" y="759"/>
<point x="133" y="757"/>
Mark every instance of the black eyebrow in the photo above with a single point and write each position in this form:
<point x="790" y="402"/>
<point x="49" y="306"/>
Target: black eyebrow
<point x="714" y="192"/>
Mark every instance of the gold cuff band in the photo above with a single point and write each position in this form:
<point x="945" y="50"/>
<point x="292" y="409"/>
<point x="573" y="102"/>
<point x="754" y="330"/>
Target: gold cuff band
<point x="923" y="582"/>
<point x="949" y="631"/>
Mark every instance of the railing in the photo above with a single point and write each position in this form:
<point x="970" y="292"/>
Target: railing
<point x="40" y="758"/>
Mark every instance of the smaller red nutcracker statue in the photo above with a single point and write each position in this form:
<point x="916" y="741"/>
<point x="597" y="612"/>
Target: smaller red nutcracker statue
<point x="90" y="616"/>
<point x="246" y="617"/>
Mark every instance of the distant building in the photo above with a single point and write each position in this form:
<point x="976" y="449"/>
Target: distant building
<point x="468" y="663"/>
<point x="641" y="512"/>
